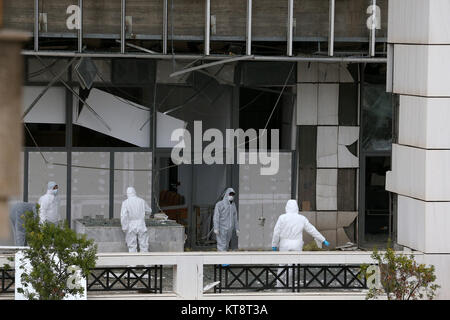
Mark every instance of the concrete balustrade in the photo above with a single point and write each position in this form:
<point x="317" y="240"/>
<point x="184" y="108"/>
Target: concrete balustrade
<point x="188" y="271"/>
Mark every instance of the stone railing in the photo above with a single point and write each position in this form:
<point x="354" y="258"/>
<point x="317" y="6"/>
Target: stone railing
<point x="188" y="272"/>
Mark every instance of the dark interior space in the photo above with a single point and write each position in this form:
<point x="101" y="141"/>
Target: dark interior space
<point x="377" y="198"/>
<point x="256" y="106"/>
<point x="44" y="135"/>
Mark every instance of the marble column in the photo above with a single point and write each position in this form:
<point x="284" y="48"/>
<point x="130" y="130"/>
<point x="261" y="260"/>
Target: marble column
<point x="419" y="33"/>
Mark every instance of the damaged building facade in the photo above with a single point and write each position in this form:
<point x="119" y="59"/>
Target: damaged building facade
<point x="101" y="101"/>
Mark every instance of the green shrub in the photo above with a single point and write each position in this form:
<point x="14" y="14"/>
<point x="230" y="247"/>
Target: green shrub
<point x="401" y="277"/>
<point x="312" y="246"/>
<point x="52" y="249"/>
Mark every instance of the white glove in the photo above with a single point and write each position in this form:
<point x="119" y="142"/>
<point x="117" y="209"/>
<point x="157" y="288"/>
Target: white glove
<point x="237" y="232"/>
<point x="216" y="231"/>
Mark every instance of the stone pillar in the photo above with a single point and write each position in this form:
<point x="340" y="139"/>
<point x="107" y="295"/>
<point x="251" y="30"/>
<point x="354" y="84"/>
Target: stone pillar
<point x="11" y="78"/>
<point x="419" y="31"/>
<point x="188" y="277"/>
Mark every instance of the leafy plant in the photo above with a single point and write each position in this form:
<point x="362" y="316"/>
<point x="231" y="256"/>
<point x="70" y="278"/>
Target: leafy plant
<point x="7" y="266"/>
<point x="401" y="277"/>
<point x="312" y="246"/>
<point x="52" y="250"/>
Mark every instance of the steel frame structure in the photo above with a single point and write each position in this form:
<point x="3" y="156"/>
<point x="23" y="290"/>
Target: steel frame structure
<point x="126" y="279"/>
<point x="144" y="279"/>
<point x="7" y="279"/>
<point x="67" y="54"/>
<point x="232" y="278"/>
<point x="69" y="148"/>
<point x="80" y="27"/>
<point x="373" y="30"/>
<point x="332" y="13"/>
<point x="207" y="37"/>
<point x="304" y="277"/>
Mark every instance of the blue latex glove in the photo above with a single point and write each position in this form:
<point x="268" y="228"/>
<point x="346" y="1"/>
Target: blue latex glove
<point x="225" y="265"/>
<point x="326" y="243"/>
<point x="274" y="248"/>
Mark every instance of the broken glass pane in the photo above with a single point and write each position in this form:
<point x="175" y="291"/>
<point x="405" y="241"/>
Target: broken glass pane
<point x="376" y="118"/>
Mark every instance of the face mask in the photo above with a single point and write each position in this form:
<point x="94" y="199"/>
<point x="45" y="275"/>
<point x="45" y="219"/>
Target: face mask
<point x="55" y="192"/>
<point x="230" y="198"/>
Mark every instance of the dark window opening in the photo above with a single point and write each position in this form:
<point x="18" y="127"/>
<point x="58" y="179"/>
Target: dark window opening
<point x="377" y="110"/>
<point x="377" y="199"/>
<point x="84" y="137"/>
<point x="376" y="145"/>
<point x="45" y="135"/>
<point x="256" y="107"/>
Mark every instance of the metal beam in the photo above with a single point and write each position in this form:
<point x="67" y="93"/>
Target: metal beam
<point x="390" y="68"/>
<point x="55" y="79"/>
<point x="200" y="38"/>
<point x="207" y="65"/>
<point x="373" y="29"/>
<point x="111" y="184"/>
<point x="207" y="26"/>
<point x="67" y="54"/>
<point x="69" y="143"/>
<point x="332" y="12"/>
<point x="165" y="24"/>
<point x="74" y="93"/>
<point x="290" y="26"/>
<point x="1" y="13"/>
<point x="80" y="27"/>
<point x="122" y="26"/>
<point x="248" y="37"/>
<point x="139" y="47"/>
<point x="36" y="25"/>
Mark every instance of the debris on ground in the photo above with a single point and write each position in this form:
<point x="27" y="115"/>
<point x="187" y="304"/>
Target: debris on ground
<point x="349" y="246"/>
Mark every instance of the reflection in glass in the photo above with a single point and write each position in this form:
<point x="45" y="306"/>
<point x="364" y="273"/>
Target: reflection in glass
<point x="376" y="118"/>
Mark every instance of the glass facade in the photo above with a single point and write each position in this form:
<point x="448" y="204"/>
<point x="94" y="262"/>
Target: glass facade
<point x="140" y="180"/>
<point x="90" y="185"/>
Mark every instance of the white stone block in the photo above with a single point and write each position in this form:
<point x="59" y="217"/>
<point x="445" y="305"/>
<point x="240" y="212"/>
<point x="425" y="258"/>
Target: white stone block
<point x="313" y="72"/>
<point x="422" y="70"/>
<point x="346" y="137"/>
<point x="419" y="21"/>
<point x="328" y="104"/>
<point x="326" y="221"/>
<point x="326" y="189"/>
<point x="424" y="122"/>
<point x="307" y="104"/>
<point x="251" y="235"/>
<point x="328" y="72"/>
<point x="307" y="72"/>
<point x="420" y="173"/>
<point x="344" y="75"/>
<point x="327" y="147"/>
<point x="441" y="263"/>
<point x="423" y="225"/>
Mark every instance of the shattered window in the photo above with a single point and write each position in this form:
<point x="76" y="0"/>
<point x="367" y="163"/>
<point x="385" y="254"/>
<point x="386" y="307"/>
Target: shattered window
<point x="377" y="109"/>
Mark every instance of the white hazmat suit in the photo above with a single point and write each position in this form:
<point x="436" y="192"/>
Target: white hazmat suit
<point x="225" y="221"/>
<point x="49" y="204"/>
<point x="132" y="218"/>
<point x="288" y="233"/>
